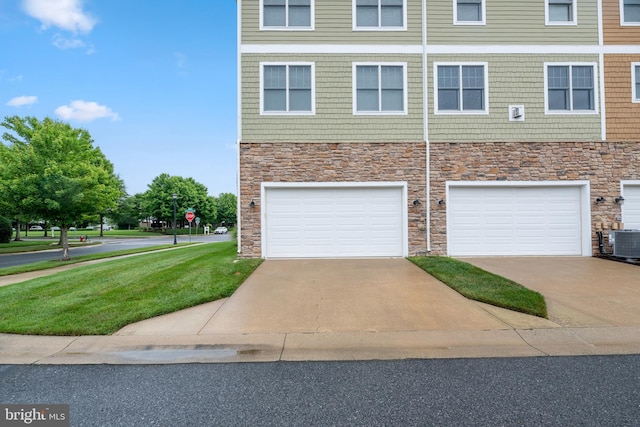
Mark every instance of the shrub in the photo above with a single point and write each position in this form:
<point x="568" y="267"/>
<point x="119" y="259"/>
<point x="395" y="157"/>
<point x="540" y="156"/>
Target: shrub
<point x="5" y="230"/>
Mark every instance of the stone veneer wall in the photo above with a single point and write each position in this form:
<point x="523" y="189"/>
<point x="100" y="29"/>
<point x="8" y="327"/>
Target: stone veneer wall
<point x="604" y="164"/>
<point x="330" y="162"/>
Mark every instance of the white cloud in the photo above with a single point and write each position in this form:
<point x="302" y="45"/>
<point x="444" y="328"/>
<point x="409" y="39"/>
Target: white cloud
<point x="65" y="14"/>
<point x="19" y="101"/>
<point x="63" y="43"/>
<point x="84" y="111"/>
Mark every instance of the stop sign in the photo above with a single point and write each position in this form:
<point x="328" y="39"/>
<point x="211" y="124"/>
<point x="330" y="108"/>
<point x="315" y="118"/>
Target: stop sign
<point x="189" y="216"/>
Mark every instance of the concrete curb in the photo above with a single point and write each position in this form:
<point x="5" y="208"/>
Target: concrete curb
<point x="327" y="346"/>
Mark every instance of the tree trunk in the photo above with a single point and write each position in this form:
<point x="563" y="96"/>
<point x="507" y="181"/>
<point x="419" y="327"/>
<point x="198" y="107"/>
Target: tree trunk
<point x="17" y="239"/>
<point x="65" y="243"/>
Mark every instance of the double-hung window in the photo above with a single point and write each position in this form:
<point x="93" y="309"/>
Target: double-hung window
<point x="635" y="81"/>
<point x="469" y="12"/>
<point x="570" y="88"/>
<point x="561" y="12"/>
<point x="461" y="88"/>
<point x="287" y="14"/>
<point x="379" y="14"/>
<point x="380" y="88"/>
<point x="630" y="12"/>
<point x="287" y="88"/>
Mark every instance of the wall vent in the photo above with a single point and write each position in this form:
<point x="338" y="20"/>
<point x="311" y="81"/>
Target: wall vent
<point x="516" y="113"/>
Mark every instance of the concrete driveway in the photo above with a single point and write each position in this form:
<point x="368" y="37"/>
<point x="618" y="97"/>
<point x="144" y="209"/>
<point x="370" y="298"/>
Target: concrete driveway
<point x="580" y="291"/>
<point x="346" y="295"/>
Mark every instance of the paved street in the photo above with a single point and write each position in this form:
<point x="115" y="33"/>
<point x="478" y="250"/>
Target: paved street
<point x="108" y="245"/>
<point x="542" y="391"/>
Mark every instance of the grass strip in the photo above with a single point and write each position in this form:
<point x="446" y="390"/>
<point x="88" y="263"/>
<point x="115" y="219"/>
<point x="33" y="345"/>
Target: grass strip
<point x="45" y="265"/>
<point x="28" y="246"/>
<point x="480" y="285"/>
<point x="102" y="298"/>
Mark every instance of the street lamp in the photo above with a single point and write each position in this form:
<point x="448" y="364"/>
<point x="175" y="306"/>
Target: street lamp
<point x="175" y="241"/>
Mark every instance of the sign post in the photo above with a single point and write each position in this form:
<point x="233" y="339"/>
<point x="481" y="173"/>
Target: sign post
<point x="190" y="215"/>
<point x="197" y="225"/>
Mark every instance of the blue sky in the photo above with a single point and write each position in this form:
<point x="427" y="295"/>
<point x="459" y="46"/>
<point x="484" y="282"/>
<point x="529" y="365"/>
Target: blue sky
<point x="153" y="81"/>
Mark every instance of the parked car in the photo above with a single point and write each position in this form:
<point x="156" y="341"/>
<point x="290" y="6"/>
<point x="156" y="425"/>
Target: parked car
<point x="220" y="230"/>
<point x="72" y="229"/>
<point x="55" y="228"/>
<point x="89" y="227"/>
<point x="36" y="228"/>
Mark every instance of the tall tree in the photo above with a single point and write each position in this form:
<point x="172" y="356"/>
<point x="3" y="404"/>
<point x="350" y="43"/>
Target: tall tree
<point x="159" y="197"/>
<point x="56" y="172"/>
<point x="227" y="204"/>
<point x="128" y="213"/>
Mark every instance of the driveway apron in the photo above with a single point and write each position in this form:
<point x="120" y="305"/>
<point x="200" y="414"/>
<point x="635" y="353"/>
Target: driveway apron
<point x="346" y="295"/>
<point x="580" y="291"/>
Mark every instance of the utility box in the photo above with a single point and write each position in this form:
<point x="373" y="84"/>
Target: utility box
<point x="626" y="243"/>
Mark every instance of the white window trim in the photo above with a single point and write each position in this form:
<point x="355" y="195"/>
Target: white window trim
<point x="635" y="96"/>
<point x="287" y="28"/>
<point x="379" y="27"/>
<point x="574" y="20"/>
<point x="483" y="21"/>
<point x="438" y="112"/>
<point x="288" y="113"/>
<point x="622" y="21"/>
<point x="405" y="86"/>
<point x="596" y="86"/>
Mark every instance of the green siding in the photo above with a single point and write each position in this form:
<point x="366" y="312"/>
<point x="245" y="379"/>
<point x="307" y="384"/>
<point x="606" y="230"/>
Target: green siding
<point x="333" y="25"/>
<point x="512" y="23"/>
<point x="513" y="80"/>
<point x="334" y="120"/>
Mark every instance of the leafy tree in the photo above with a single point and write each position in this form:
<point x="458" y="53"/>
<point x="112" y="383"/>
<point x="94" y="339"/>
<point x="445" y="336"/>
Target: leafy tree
<point x="55" y="173"/>
<point x="5" y="230"/>
<point x="158" y="199"/>
<point x="227" y="208"/>
<point x="128" y="213"/>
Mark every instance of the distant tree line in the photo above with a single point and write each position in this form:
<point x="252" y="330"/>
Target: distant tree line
<point x="51" y="172"/>
<point x="156" y="204"/>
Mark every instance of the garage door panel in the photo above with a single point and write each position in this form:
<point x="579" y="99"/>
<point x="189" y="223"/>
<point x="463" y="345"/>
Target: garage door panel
<point x="631" y="207"/>
<point x="514" y="221"/>
<point x="334" y="222"/>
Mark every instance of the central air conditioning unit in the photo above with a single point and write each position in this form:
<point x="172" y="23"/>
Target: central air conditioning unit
<point x="626" y="243"/>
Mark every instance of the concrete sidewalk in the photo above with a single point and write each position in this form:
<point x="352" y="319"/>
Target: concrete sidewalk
<point x="366" y="309"/>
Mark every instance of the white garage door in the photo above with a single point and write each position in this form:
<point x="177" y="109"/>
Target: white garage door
<point x="333" y="222"/>
<point x="514" y="221"/>
<point x="631" y="207"/>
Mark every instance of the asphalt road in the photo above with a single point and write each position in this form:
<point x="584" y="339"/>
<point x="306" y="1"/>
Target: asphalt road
<point x="544" y="391"/>
<point x="107" y="245"/>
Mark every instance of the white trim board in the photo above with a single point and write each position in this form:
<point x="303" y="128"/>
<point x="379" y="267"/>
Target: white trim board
<point x="417" y="49"/>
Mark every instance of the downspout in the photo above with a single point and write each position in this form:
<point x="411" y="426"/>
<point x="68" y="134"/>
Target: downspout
<point x="603" y="115"/>
<point x="239" y="123"/>
<point x="425" y="113"/>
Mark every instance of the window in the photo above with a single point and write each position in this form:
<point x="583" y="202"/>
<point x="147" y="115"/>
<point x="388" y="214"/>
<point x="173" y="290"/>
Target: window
<point x="380" y="89"/>
<point x="630" y="12"/>
<point x="635" y="81"/>
<point x="560" y="12"/>
<point x="469" y="12"/>
<point x="461" y="88"/>
<point x="287" y="88"/>
<point x="287" y="14"/>
<point x="570" y="88"/>
<point x="379" y="14"/>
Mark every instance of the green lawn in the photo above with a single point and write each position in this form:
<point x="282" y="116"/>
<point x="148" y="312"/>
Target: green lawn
<point x="45" y="265"/>
<point x="100" y="299"/>
<point x="480" y="285"/>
